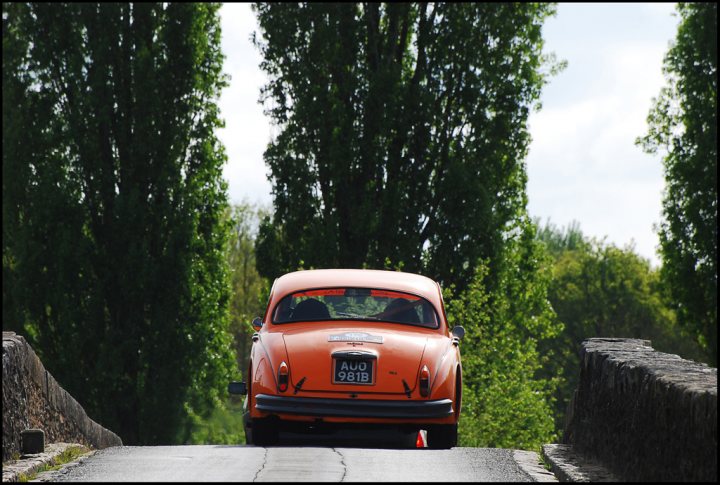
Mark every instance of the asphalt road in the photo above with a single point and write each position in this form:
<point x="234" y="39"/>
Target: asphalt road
<point x="295" y="464"/>
<point x="353" y="458"/>
<point x="356" y="457"/>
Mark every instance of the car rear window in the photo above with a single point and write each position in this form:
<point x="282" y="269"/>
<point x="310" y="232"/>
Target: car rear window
<point x="355" y="304"/>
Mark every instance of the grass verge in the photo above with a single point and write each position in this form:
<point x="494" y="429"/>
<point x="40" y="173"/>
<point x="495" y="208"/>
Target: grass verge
<point x="72" y="453"/>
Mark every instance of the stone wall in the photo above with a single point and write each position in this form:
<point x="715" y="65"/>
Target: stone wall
<point x="31" y="398"/>
<point x="646" y="415"/>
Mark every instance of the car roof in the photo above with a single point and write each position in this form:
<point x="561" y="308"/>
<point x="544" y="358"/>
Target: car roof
<point x="360" y="278"/>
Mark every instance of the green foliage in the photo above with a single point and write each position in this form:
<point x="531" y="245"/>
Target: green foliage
<point x="558" y="241"/>
<point x="506" y="401"/>
<point x="248" y="298"/>
<point x="402" y="132"/>
<point x="113" y="237"/>
<point x="683" y="126"/>
<point x="250" y="291"/>
<point x="223" y="426"/>
<point x="599" y="290"/>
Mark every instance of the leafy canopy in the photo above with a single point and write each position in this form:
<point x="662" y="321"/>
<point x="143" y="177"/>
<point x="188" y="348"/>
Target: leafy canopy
<point x="401" y="139"/>
<point x="401" y="132"/>
<point x="683" y="127"/>
<point x="113" y="238"/>
<point x="508" y="393"/>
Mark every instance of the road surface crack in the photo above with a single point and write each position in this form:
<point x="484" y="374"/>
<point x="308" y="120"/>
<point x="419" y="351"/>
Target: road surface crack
<point x="262" y="467"/>
<point x="342" y="462"/>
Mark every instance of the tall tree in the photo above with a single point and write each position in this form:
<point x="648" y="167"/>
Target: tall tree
<point x="113" y="240"/>
<point x="683" y="126"/>
<point x="402" y="132"/>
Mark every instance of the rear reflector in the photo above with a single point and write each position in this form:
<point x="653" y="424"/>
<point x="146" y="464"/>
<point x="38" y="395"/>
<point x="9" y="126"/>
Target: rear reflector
<point x="421" y="442"/>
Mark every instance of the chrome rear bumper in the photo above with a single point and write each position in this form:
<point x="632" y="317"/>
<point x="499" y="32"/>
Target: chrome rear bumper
<point x="357" y="408"/>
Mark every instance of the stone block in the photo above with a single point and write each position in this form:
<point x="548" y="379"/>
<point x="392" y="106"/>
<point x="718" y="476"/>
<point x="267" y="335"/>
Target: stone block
<point x="33" y="441"/>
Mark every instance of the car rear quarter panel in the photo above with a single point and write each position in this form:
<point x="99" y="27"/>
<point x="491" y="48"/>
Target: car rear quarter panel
<point x="267" y="353"/>
<point x="443" y="359"/>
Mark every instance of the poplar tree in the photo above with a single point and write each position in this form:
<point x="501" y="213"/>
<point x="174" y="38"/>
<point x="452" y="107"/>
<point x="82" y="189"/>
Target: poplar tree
<point x="401" y="139"/>
<point x="401" y="133"/>
<point x="683" y="128"/>
<point x="113" y="239"/>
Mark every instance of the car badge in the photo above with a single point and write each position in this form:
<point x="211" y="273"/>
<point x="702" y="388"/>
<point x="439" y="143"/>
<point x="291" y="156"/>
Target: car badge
<point x="356" y="337"/>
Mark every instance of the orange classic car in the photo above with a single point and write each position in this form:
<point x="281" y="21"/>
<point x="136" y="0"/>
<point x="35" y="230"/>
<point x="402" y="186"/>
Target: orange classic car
<point x="346" y="347"/>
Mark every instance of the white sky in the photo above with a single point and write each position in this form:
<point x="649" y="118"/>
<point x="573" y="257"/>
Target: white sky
<point x="582" y="165"/>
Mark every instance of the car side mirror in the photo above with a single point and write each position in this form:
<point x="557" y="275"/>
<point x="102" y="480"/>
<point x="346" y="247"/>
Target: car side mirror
<point x="257" y="323"/>
<point x="237" y="388"/>
<point x="458" y="332"/>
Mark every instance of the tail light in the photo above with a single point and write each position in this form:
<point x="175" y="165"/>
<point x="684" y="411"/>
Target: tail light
<point x="283" y="377"/>
<point x="425" y="381"/>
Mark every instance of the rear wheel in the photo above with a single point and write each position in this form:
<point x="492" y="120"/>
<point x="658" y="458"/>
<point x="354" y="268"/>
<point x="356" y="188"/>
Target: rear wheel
<point x="264" y="432"/>
<point x="246" y="421"/>
<point x="442" y="436"/>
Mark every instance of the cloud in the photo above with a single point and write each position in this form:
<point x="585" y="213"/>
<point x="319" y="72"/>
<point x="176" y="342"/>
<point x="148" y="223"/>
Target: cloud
<point x="247" y="129"/>
<point x="583" y="163"/>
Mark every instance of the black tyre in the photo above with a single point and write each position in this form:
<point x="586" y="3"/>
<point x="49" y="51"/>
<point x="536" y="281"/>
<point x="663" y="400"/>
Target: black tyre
<point x="442" y="436"/>
<point x="246" y="422"/>
<point x="264" y="432"/>
<point x="248" y="433"/>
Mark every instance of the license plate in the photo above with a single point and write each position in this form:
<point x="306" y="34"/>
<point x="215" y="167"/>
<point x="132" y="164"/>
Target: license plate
<point x="354" y="371"/>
